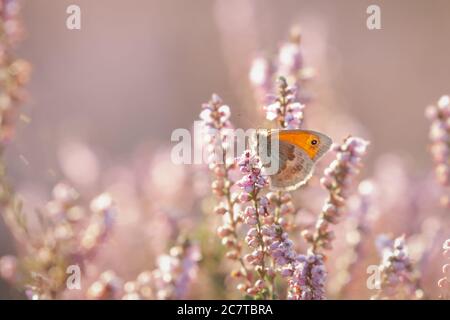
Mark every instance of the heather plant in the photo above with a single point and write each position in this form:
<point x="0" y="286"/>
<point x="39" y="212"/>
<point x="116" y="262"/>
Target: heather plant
<point x="246" y="240"/>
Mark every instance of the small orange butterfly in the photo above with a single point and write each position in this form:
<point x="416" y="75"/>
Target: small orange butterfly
<point x="298" y="151"/>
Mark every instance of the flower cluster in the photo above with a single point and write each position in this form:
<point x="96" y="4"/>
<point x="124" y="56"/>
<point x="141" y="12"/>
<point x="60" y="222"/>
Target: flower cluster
<point x="285" y="109"/>
<point x="252" y="181"/>
<point x="337" y="180"/>
<point x="440" y="142"/>
<point x="308" y="280"/>
<point x="398" y="279"/>
<point x="444" y="282"/>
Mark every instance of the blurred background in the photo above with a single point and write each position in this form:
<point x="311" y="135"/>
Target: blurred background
<point x="139" y="69"/>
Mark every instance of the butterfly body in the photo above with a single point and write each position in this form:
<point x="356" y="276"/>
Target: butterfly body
<point x="294" y="157"/>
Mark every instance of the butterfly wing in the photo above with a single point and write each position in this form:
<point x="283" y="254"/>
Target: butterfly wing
<point x="294" y="162"/>
<point x="303" y="139"/>
<point x="295" y="167"/>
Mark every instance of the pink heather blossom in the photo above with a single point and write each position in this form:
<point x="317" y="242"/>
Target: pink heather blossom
<point x="308" y="280"/>
<point x="306" y="275"/>
<point x="250" y="166"/>
<point x="216" y="124"/>
<point x="215" y="115"/>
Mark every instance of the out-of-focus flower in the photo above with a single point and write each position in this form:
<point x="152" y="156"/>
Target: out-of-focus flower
<point x="288" y="64"/>
<point x="439" y="116"/>
<point x="11" y="28"/>
<point x="66" y="234"/>
<point x="79" y="163"/>
<point x="107" y="287"/>
<point x="100" y="224"/>
<point x="171" y="279"/>
<point x="290" y="57"/>
<point x="8" y="268"/>
<point x="358" y="229"/>
<point x="176" y="271"/>
<point x="261" y="73"/>
<point x="14" y="73"/>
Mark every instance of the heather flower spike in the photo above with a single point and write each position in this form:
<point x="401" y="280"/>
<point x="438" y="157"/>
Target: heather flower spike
<point x="215" y="116"/>
<point x="285" y="110"/>
<point x="337" y="181"/>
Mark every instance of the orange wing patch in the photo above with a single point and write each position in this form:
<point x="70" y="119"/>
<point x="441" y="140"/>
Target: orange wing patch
<point x="303" y="140"/>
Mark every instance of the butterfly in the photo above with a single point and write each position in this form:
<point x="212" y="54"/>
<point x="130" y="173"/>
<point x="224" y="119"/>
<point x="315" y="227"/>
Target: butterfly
<point x="298" y="151"/>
